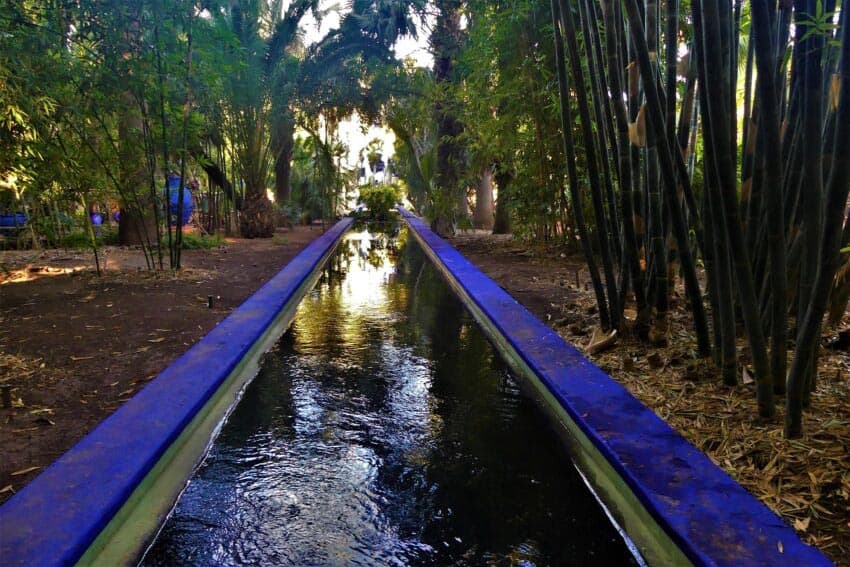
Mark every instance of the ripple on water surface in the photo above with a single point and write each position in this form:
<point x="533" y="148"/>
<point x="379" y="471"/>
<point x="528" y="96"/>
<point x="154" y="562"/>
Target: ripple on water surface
<point x="384" y="430"/>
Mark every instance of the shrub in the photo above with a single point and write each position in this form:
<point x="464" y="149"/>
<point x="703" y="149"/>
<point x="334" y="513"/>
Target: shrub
<point x="80" y="239"/>
<point x="194" y="241"/>
<point x="287" y="215"/>
<point x="380" y="199"/>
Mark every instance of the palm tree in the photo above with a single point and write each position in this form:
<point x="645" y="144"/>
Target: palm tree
<point x="251" y="94"/>
<point x="329" y="74"/>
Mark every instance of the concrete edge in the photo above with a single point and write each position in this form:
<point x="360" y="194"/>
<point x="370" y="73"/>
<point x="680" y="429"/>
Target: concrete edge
<point x="674" y="503"/>
<point x="116" y="486"/>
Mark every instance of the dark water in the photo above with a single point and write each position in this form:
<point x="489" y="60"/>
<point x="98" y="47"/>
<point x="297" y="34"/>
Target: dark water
<point x="384" y="430"/>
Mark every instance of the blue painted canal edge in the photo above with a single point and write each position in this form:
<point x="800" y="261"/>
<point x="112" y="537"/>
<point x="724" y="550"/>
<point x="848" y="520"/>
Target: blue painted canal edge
<point x="676" y="505"/>
<point x="103" y="501"/>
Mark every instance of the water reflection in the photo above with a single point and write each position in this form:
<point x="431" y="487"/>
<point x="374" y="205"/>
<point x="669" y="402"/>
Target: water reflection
<point x="384" y="430"/>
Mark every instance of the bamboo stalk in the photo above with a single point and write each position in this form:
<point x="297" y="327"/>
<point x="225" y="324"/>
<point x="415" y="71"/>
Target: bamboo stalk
<point x="769" y="132"/>
<point x="572" y="171"/>
<point x="595" y="75"/>
<point x="837" y="189"/>
<point x="630" y="246"/>
<point x="680" y="230"/>
<point x="603" y="229"/>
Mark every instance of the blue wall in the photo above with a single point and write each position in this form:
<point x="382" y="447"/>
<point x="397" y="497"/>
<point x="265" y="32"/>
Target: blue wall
<point x="55" y="518"/>
<point x="709" y="516"/>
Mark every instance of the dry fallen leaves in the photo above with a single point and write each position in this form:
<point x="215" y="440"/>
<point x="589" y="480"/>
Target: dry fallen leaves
<point x="806" y="481"/>
<point x="25" y="471"/>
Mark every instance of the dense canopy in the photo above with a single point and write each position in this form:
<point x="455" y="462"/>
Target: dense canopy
<point x="687" y="144"/>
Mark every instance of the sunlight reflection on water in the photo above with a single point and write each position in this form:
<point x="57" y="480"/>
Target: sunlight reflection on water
<point x="384" y="430"/>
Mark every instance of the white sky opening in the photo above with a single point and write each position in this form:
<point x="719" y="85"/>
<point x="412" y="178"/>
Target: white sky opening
<point x="351" y="130"/>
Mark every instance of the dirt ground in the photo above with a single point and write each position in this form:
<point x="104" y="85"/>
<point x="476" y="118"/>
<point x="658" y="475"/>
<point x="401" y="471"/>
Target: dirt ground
<point x="805" y="481"/>
<point x="74" y="346"/>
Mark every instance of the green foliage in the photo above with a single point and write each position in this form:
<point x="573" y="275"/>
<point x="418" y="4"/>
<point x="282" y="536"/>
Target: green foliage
<point x="411" y="119"/>
<point x="380" y="199"/>
<point x="196" y="241"/>
<point x="512" y="110"/>
<point x="288" y="213"/>
<point x="98" y="103"/>
<point x="319" y="181"/>
<point x="50" y="228"/>
<point x="81" y="240"/>
<point x="76" y="239"/>
<point x="819" y="24"/>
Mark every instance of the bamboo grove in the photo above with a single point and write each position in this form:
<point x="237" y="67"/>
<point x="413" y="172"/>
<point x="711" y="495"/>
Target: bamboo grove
<point x="693" y="143"/>
<point x="714" y="134"/>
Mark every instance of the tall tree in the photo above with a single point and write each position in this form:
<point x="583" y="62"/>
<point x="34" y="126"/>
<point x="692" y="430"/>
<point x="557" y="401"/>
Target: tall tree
<point x="446" y="42"/>
<point x="250" y="99"/>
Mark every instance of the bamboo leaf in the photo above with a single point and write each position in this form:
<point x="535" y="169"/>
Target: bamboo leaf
<point x="637" y="129"/>
<point x="834" y="91"/>
<point x="632" y="70"/>
<point x="25" y="471"/>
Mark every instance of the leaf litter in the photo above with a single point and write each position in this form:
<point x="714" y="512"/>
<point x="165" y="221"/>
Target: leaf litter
<point x="804" y="481"/>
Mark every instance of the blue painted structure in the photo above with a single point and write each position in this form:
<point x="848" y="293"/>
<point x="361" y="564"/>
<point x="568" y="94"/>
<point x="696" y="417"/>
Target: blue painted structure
<point x="57" y="517"/>
<point x="173" y="199"/>
<point x="13" y="220"/>
<point x="710" y="518"/>
<point x="704" y="512"/>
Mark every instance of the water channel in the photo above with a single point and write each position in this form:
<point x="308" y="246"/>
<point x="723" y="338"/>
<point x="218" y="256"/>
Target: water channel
<point x="383" y="429"/>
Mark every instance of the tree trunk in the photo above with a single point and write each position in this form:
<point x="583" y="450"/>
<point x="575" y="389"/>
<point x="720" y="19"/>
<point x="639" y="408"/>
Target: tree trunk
<point x="283" y="143"/>
<point x="135" y="227"/>
<point x="483" y="217"/>
<point x="257" y="219"/>
<point x="502" y="224"/>
<point x="446" y="41"/>
<point x="136" y="224"/>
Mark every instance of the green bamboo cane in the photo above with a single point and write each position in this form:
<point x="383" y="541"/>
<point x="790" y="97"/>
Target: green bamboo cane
<point x="718" y="113"/>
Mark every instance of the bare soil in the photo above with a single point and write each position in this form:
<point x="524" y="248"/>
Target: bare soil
<point x="804" y="481"/>
<point x="75" y="346"/>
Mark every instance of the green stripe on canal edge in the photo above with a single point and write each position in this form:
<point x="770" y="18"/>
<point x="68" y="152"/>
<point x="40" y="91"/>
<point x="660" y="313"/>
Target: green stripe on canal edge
<point x="127" y="536"/>
<point x="653" y="543"/>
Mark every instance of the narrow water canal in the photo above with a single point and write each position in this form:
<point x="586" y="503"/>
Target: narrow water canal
<point x="384" y="430"/>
